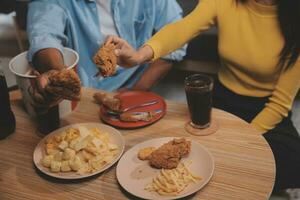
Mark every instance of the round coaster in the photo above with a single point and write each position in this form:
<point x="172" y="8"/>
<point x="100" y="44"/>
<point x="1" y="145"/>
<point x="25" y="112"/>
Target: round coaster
<point x="214" y="126"/>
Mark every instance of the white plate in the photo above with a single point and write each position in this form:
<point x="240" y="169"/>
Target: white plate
<point x="115" y="138"/>
<point x="134" y="174"/>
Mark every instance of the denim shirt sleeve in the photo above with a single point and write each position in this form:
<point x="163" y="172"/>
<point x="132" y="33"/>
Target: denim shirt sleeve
<point x="46" y="22"/>
<point x="168" y="11"/>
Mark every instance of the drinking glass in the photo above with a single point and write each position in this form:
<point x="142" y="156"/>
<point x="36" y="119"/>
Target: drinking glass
<point x="198" y="89"/>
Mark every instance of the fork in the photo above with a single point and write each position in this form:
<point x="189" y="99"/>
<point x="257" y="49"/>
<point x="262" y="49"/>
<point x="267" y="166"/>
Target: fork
<point x="117" y="113"/>
<point x="117" y="117"/>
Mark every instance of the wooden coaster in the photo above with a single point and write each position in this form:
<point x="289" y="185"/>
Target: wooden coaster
<point x="214" y="126"/>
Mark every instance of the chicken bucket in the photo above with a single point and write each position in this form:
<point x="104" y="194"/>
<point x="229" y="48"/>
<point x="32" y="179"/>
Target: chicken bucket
<point x="22" y="69"/>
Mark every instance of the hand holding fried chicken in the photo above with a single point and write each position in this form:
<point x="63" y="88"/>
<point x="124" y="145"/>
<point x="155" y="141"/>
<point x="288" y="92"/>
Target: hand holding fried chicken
<point x="55" y="85"/>
<point x="128" y="56"/>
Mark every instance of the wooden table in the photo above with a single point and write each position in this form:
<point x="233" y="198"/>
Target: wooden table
<point x="244" y="168"/>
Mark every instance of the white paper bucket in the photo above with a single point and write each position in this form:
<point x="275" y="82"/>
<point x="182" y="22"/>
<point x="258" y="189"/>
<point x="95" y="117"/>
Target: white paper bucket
<point x="20" y="66"/>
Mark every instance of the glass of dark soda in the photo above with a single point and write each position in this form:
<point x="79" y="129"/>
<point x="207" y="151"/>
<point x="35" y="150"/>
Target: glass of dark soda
<point x="198" y="89"/>
<point x="48" y="120"/>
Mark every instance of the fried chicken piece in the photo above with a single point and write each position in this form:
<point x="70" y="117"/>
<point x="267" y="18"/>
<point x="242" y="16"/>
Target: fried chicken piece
<point x="137" y="116"/>
<point x="145" y="153"/>
<point x="108" y="99"/>
<point x="63" y="84"/>
<point x="106" y="60"/>
<point x="168" y="155"/>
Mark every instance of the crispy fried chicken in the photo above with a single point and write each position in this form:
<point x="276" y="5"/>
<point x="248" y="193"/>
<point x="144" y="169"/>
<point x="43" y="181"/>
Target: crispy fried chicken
<point x="168" y="155"/>
<point x="63" y="84"/>
<point x="53" y="86"/>
<point x="106" y="60"/>
<point x="108" y="99"/>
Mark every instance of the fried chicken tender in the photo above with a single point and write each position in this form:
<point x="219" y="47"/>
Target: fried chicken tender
<point x="106" y="60"/>
<point x="145" y="153"/>
<point x="108" y="99"/>
<point x="168" y="155"/>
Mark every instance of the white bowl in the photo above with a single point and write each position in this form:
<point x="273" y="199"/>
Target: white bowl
<point x="20" y="66"/>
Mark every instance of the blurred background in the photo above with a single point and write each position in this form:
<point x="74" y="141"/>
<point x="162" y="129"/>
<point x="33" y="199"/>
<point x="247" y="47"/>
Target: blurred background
<point x="13" y="39"/>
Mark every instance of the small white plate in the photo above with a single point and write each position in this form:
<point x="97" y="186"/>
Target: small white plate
<point x="134" y="174"/>
<point x="115" y="138"/>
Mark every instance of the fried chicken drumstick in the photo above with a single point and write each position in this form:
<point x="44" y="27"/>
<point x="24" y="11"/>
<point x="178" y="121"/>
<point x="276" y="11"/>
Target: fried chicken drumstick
<point x="108" y="99"/>
<point x="106" y="60"/>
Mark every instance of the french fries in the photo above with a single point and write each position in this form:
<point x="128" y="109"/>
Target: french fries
<point x="172" y="182"/>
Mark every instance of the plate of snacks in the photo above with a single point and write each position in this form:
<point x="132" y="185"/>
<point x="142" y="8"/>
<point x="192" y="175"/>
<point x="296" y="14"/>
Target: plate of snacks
<point x="165" y="168"/>
<point x="79" y="151"/>
<point x="130" y="109"/>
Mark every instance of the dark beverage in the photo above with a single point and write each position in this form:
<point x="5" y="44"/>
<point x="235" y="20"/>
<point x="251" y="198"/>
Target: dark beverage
<point x="48" y="121"/>
<point x="200" y="106"/>
<point x="7" y="118"/>
<point x="199" y="97"/>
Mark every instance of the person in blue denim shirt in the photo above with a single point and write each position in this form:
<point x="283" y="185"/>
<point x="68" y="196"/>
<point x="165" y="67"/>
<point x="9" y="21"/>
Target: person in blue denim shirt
<point x="83" y="25"/>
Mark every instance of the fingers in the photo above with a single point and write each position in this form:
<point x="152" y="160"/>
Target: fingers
<point x="118" y="42"/>
<point x="35" y="72"/>
<point x="40" y="99"/>
<point x="108" y="40"/>
<point x="118" y="52"/>
<point x="125" y="53"/>
<point x="36" y="97"/>
<point x="121" y="54"/>
<point x="42" y="82"/>
<point x="122" y="47"/>
<point x="113" y="39"/>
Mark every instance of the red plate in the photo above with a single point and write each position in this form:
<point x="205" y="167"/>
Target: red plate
<point x="132" y="98"/>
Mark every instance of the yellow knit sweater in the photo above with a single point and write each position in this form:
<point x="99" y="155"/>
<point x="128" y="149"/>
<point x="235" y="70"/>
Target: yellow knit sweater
<point x="250" y="42"/>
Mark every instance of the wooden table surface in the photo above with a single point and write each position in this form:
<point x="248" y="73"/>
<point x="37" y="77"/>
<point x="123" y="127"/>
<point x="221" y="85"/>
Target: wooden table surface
<point x="244" y="163"/>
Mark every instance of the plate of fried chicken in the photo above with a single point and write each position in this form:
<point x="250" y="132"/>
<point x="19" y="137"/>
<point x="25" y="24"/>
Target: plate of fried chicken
<point x="130" y="109"/>
<point x="165" y="168"/>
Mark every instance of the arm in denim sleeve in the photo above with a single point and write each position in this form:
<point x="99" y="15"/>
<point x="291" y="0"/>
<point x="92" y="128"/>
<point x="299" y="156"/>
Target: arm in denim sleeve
<point x="46" y="22"/>
<point x="168" y="11"/>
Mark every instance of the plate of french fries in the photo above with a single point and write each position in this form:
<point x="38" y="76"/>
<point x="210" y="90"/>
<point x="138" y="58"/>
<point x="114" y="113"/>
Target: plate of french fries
<point x="79" y="150"/>
<point x="165" y="168"/>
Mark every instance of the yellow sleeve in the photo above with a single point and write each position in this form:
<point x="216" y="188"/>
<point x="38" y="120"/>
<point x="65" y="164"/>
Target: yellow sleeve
<point x="175" y="35"/>
<point x="281" y="101"/>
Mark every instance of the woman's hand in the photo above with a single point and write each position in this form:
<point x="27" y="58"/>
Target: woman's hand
<point x="127" y="55"/>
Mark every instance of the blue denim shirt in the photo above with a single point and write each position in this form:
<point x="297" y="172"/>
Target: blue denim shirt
<point x="75" y="24"/>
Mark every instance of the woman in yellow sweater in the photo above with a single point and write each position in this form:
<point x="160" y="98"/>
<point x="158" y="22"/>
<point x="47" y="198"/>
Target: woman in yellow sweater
<point x="259" y="46"/>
